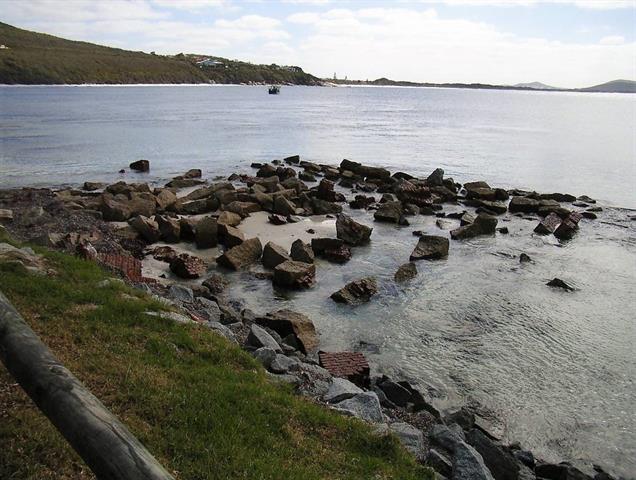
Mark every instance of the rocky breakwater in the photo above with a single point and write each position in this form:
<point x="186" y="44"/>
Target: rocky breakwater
<point x="194" y="228"/>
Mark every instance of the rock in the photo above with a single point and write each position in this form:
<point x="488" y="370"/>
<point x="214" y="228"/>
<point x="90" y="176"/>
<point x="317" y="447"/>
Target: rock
<point x="394" y="392"/>
<point x="439" y="463"/>
<point x="365" y="406"/>
<point x="169" y="228"/>
<point x="179" y="182"/>
<point x="430" y="247"/>
<point x="320" y="245"/>
<point x="215" y="283"/>
<point x="326" y="192"/>
<point x="463" y="417"/>
<point x="559" y="197"/>
<point x="277" y="219"/>
<point x="211" y="310"/>
<point x="242" y="255"/>
<point x="306" y="176"/>
<point x="147" y="228"/>
<point x="322" y="207"/>
<point x="242" y="208"/>
<point x="548" y="225"/>
<point x="193" y="173"/>
<point x="558" y="283"/>
<point x="341" y="389"/>
<point x="389" y="212"/>
<point x="230" y="236"/>
<point x="405" y="272"/>
<point x="207" y="233"/>
<point x="524" y="258"/>
<point x="187" y="266"/>
<point x="436" y="178"/>
<point x="288" y="322"/>
<point x="361" y="201"/>
<point x="282" y="364"/>
<point x="468" y="464"/>
<point x="92" y="186"/>
<point x="352" y="232"/>
<point x="140" y="166"/>
<point x="483" y="224"/>
<point x="568" y="227"/>
<point x="443" y="436"/>
<point x="173" y="316"/>
<point x="302" y="252"/>
<point x="114" y="211"/>
<point x="265" y="356"/>
<point x="294" y="274"/>
<point x="181" y="294"/>
<point x="586" y="199"/>
<point x="501" y="463"/>
<point x="165" y="199"/>
<point x="229" y="218"/>
<point x="587" y="214"/>
<point x="273" y="255"/>
<point x="525" y="457"/>
<point x="562" y="471"/>
<point x="295" y="159"/>
<point x="283" y="206"/>
<point x="258" y="337"/>
<point x="163" y="254"/>
<point x="410" y="437"/>
<point x="356" y="292"/>
<point x="481" y="193"/>
<point x="341" y="254"/>
<point x="523" y="205"/>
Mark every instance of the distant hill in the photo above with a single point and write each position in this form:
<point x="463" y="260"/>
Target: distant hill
<point x="615" y="86"/>
<point x="36" y="58"/>
<point x="535" y="86"/>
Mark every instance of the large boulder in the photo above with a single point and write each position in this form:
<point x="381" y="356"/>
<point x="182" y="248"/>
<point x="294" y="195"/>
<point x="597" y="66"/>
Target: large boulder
<point x="548" y="225"/>
<point x="170" y="228"/>
<point x="165" y="199"/>
<point x="389" y="212"/>
<point x="242" y="255"/>
<point x="341" y="389"/>
<point x="323" y="207"/>
<point x="430" y="247"/>
<point x="293" y="274"/>
<point x="229" y="218"/>
<point x="197" y="207"/>
<point x="140" y="166"/>
<point x="283" y="206"/>
<point x="146" y="227"/>
<point x="468" y="464"/>
<point x="230" y="236"/>
<point x="523" y="205"/>
<point x="273" y="255"/>
<point x="365" y="406"/>
<point x="436" y="179"/>
<point x="259" y="338"/>
<point x="302" y="252"/>
<point x="352" y="232"/>
<point x="114" y="210"/>
<point x="483" y="224"/>
<point x="356" y="292"/>
<point x="288" y="322"/>
<point x="501" y="463"/>
<point x="568" y="227"/>
<point x="206" y="233"/>
<point x="187" y="266"/>
<point x="411" y="437"/>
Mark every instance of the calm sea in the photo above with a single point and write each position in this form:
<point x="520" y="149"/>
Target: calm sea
<point x="557" y="368"/>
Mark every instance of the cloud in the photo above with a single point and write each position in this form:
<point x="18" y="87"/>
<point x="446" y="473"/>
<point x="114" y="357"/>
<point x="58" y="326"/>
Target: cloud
<point x="588" y="4"/>
<point x="612" y="40"/>
<point x="191" y="5"/>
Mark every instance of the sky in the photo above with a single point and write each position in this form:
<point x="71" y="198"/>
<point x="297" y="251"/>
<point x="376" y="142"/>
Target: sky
<point x="564" y="43"/>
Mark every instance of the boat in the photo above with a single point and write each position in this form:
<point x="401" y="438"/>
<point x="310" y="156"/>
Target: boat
<point x="274" y="90"/>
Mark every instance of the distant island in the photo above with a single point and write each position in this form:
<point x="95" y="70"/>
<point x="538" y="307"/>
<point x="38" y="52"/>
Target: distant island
<point x="31" y="58"/>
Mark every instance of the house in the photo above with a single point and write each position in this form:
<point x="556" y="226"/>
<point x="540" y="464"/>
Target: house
<point x="209" y="62"/>
<point x="294" y="69"/>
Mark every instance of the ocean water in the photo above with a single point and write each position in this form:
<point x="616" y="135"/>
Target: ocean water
<point x="557" y="369"/>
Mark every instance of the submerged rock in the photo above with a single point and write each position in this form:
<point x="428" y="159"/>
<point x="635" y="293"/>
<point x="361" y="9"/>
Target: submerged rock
<point x="430" y="247"/>
<point x="568" y="227"/>
<point x="548" y="225"/>
<point x="140" y="166"/>
<point x="352" y="232"/>
<point x="356" y="292"/>
<point x="405" y="272"/>
<point x="558" y="283"/>
<point x="187" y="266"/>
<point x="294" y="274"/>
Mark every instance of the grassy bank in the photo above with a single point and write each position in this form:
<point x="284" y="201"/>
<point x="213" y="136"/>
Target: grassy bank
<point x="202" y="406"/>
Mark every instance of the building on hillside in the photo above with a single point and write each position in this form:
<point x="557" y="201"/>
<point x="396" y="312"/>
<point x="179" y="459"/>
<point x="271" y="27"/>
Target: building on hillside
<point x="209" y="62"/>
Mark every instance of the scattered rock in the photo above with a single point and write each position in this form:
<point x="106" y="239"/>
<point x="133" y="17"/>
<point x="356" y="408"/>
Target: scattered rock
<point x="436" y="178"/>
<point x="523" y="205"/>
<point x="501" y="463"/>
<point x="169" y="228"/>
<point x="294" y="274"/>
<point x="524" y="258"/>
<point x="207" y="233"/>
<point x="389" y="212"/>
<point x="405" y="272"/>
<point x="302" y="252"/>
<point x="468" y="464"/>
<point x="92" y="186"/>
<point x="275" y="219"/>
<point x="242" y="255"/>
<point x="258" y="337"/>
<point x="140" y="166"/>
<point x="273" y="255"/>
<point x="229" y="218"/>
<point x="410" y="437"/>
<point x="439" y="463"/>
<point x="356" y="292"/>
<point x="586" y="199"/>
<point x="282" y="364"/>
<point x="548" y="225"/>
<point x="230" y="236"/>
<point x="147" y="228"/>
<point x="265" y="356"/>
<point x="288" y="322"/>
<point x="187" y="266"/>
<point x="430" y="247"/>
<point x="365" y="406"/>
<point x="568" y="227"/>
<point x="341" y="389"/>
<point x="558" y="283"/>
<point x="483" y="224"/>
<point x="352" y="232"/>
<point x="181" y="294"/>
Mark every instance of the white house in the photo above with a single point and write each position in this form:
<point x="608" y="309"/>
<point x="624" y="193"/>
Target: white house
<point x="209" y="62"/>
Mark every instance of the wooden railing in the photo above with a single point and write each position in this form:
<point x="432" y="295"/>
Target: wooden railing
<point x="103" y="442"/>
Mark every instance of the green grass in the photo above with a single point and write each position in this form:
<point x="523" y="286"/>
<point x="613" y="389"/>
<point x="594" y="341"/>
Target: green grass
<point x="37" y="58"/>
<point x="201" y="405"/>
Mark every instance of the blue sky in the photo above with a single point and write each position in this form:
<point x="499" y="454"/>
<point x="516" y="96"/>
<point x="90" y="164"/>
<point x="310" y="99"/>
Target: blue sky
<point x="570" y="43"/>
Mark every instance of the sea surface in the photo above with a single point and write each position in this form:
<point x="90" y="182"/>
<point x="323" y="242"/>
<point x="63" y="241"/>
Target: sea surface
<point x="555" y="371"/>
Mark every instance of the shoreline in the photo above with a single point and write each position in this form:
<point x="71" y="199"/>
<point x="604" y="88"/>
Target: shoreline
<point x="189" y="204"/>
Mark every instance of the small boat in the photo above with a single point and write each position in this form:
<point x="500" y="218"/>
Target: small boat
<point x="274" y="90"/>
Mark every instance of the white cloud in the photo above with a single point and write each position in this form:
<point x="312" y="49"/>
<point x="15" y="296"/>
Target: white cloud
<point x="249" y="22"/>
<point x="192" y="5"/>
<point x="589" y="4"/>
<point x="612" y="40"/>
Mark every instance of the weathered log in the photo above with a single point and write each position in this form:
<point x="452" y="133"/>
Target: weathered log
<point x="103" y="442"/>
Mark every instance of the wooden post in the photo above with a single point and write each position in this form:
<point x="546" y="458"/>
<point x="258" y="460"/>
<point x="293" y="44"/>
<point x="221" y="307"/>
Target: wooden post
<point x="103" y="442"/>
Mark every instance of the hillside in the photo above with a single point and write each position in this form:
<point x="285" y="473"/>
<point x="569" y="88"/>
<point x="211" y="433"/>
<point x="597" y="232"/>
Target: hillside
<point x="615" y="86"/>
<point x="535" y="86"/>
<point x="36" y="58"/>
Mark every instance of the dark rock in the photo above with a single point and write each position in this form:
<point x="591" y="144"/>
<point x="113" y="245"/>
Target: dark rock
<point x="558" y="283"/>
<point x="463" y="417"/>
<point x="524" y="258"/>
<point x="523" y="205"/>
<point x="439" y="463"/>
<point x="266" y="170"/>
<point x="356" y="292"/>
<point x="525" y="457"/>
<point x="259" y="338"/>
<point x="430" y="247"/>
<point x="394" y="392"/>
<point x="436" y="178"/>
<point x="229" y="218"/>
<point x="483" y="224"/>
<point x="230" y="236"/>
<point x="468" y="464"/>
<point x="548" y="225"/>
<point x="140" y="166"/>
<point x="444" y="437"/>
<point x="362" y="201"/>
<point x="503" y="230"/>
<point x="215" y="283"/>
<point x="165" y="199"/>
<point x="293" y="274"/>
<point x="169" y="227"/>
<point x="146" y="227"/>
<point x="502" y="464"/>
<point x="295" y="159"/>
<point x="589" y="215"/>
<point x="405" y="272"/>
<point x="273" y="255"/>
<point x="187" y="266"/>
<point x="301" y="252"/>
<point x="288" y="322"/>
<point x="92" y="186"/>
<point x="193" y="173"/>
<point x="306" y="176"/>
<point x="341" y="389"/>
<point x="322" y="207"/>
<point x="389" y="212"/>
<point x="559" y="197"/>
<point x="242" y="255"/>
<point x="586" y="199"/>
<point x="568" y="227"/>
<point x="206" y="234"/>
<point x="163" y="254"/>
<point x="277" y="219"/>
<point x="352" y="232"/>
<point x="243" y="208"/>
<point x="319" y="245"/>
<point x="562" y="471"/>
<point x="326" y="192"/>
<point x="188" y="228"/>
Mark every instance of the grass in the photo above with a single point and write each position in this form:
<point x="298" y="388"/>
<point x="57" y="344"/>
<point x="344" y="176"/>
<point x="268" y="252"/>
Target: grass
<point x="201" y="405"/>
